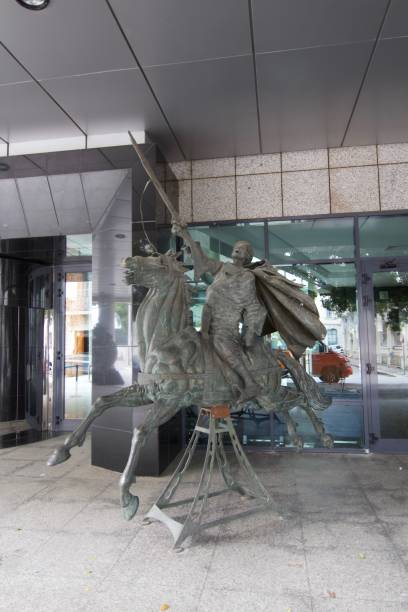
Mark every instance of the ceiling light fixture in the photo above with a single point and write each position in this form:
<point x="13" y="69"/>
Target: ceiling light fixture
<point x="34" y="5"/>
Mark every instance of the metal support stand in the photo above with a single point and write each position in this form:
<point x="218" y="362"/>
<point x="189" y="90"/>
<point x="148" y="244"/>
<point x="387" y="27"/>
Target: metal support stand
<point x="214" y="422"/>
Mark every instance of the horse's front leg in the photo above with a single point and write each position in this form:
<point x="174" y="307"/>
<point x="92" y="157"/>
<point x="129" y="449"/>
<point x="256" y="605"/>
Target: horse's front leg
<point x="160" y="412"/>
<point x="134" y="395"/>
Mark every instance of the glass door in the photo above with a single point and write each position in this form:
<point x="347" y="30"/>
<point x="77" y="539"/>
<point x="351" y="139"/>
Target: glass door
<point x="74" y="351"/>
<point x="386" y="368"/>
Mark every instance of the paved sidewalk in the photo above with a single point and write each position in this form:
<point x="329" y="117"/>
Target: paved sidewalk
<point x="341" y="544"/>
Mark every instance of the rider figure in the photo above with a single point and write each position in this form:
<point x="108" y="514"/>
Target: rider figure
<point x="231" y="304"/>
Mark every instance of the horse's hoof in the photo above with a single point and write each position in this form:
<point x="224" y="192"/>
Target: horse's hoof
<point x="60" y="455"/>
<point x="131" y="507"/>
<point x="327" y="441"/>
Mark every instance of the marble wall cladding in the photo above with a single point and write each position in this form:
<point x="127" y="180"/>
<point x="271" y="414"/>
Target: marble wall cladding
<point x="305" y="160"/>
<point x="393" y="153"/>
<point x="354" y="189"/>
<point x="179" y="193"/>
<point x="353" y="156"/>
<point x="259" y="196"/>
<point x="214" y="199"/>
<point x="305" y="191"/>
<point x="316" y="182"/>
<point x="178" y="171"/>
<point x="210" y="168"/>
<point x="258" y="164"/>
<point x="394" y="186"/>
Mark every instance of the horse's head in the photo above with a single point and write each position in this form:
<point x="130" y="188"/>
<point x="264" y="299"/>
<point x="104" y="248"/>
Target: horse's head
<point x="155" y="271"/>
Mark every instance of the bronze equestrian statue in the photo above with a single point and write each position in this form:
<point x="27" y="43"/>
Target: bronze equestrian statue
<point x="228" y="362"/>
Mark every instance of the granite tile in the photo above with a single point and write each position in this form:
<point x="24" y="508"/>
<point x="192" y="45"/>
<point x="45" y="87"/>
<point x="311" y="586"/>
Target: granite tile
<point x="210" y="168"/>
<point x="306" y="192"/>
<point x="352" y="156"/>
<point x="280" y="568"/>
<point x="354" y="189"/>
<point x="259" y="196"/>
<point x="214" y="199"/>
<point x="344" y="532"/>
<point x="260" y="599"/>
<point x="178" y="171"/>
<point x="179" y="193"/>
<point x="305" y="160"/>
<point x="332" y="603"/>
<point x="258" y="164"/>
<point x="393" y="153"/>
<point x="375" y="575"/>
<point x="394" y="186"/>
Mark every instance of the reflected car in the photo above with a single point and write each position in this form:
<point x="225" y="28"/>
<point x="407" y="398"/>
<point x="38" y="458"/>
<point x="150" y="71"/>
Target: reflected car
<point x="329" y="365"/>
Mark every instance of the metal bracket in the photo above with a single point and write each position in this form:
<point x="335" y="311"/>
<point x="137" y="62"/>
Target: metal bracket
<point x="214" y="428"/>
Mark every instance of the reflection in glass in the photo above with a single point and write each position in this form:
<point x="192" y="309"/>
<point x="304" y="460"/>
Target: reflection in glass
<point x="383" y="236"/>
<point x="78" y="354"/>
<point x="79" y="245"/>
<point x="391" y="329"/>
<point x="333" y="363"/>
<point x="301" y="240"/>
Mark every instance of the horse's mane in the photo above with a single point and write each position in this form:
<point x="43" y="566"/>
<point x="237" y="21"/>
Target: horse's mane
<point x="165" y="311"/>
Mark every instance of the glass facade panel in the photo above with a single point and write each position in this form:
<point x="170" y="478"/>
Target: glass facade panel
<point x="304" y="239"/>
<point x="335" y="367"/>
<point x="391" y="334"/>
<point x="78" y="354"/>
<point x="383" y="236"/>
<point x="334" y="363"/>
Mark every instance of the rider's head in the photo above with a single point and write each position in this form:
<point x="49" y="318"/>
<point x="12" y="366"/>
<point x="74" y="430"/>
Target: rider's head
<point x="242" y="253"/>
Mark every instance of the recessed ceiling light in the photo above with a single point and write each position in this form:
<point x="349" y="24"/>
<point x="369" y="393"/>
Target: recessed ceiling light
<point x="4" y="167"/>
<point x="34" y="5"/>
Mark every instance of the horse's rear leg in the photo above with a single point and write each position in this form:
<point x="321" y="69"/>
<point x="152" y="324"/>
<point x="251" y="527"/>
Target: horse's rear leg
<point x="159" y="413"/>
<point x="129" y="396"/>
<point x="318" y="425"/>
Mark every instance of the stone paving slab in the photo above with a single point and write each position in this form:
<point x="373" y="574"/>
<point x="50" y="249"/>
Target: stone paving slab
<point x="336" y="539"/>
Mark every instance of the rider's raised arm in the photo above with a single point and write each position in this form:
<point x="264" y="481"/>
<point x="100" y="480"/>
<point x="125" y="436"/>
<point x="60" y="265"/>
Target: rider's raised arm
<point x="202" y="263"/>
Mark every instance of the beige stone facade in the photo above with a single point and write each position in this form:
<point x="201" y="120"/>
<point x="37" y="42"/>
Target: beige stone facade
<point x="304" y="183"/>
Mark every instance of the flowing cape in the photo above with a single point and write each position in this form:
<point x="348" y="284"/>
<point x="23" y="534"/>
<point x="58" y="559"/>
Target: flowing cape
<point x="291" y="312"/>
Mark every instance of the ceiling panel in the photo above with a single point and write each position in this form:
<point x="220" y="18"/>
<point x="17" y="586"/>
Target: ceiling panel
<point x="10" y="70"/>
<point x="67" y="38"/>
<point x="38" y="206"/>
<point x="396" y="23"/>
<point x="27" y="113"/>
<point x="381" y="114"/>
<point x="19" y="165"/>
<point x="163" y="32"/>
<point x="100" y="188"/>
<point x="211" y="105"/>
<point x="70" y="204"/>
<point x="293" y="24"/>
<point x="306" y="96"/>
<point x="112" y="102"/>
<point x="12" y="222"/>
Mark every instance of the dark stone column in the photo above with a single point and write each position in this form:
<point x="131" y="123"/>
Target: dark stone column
<point x="115" y="363"/>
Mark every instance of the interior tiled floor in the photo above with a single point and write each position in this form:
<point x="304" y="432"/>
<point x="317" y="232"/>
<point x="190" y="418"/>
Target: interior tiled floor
<point x="337" y="539"/>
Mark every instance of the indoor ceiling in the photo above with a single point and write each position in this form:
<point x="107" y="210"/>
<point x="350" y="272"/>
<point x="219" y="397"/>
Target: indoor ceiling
<point x="207" y="78"/>
<point x="60" y="204"/>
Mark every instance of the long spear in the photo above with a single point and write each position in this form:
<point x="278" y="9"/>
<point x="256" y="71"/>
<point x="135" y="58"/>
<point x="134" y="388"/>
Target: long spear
<point x="152" y="175"/>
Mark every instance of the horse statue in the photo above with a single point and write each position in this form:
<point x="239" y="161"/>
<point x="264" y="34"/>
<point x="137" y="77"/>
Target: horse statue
<point x="179" y="367"/>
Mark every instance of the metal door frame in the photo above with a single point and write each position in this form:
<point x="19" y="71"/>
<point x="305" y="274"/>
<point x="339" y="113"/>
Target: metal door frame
<point x="59" y="421"/>
<point x="41" y="421"/>
<point x="369" y="353"/>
